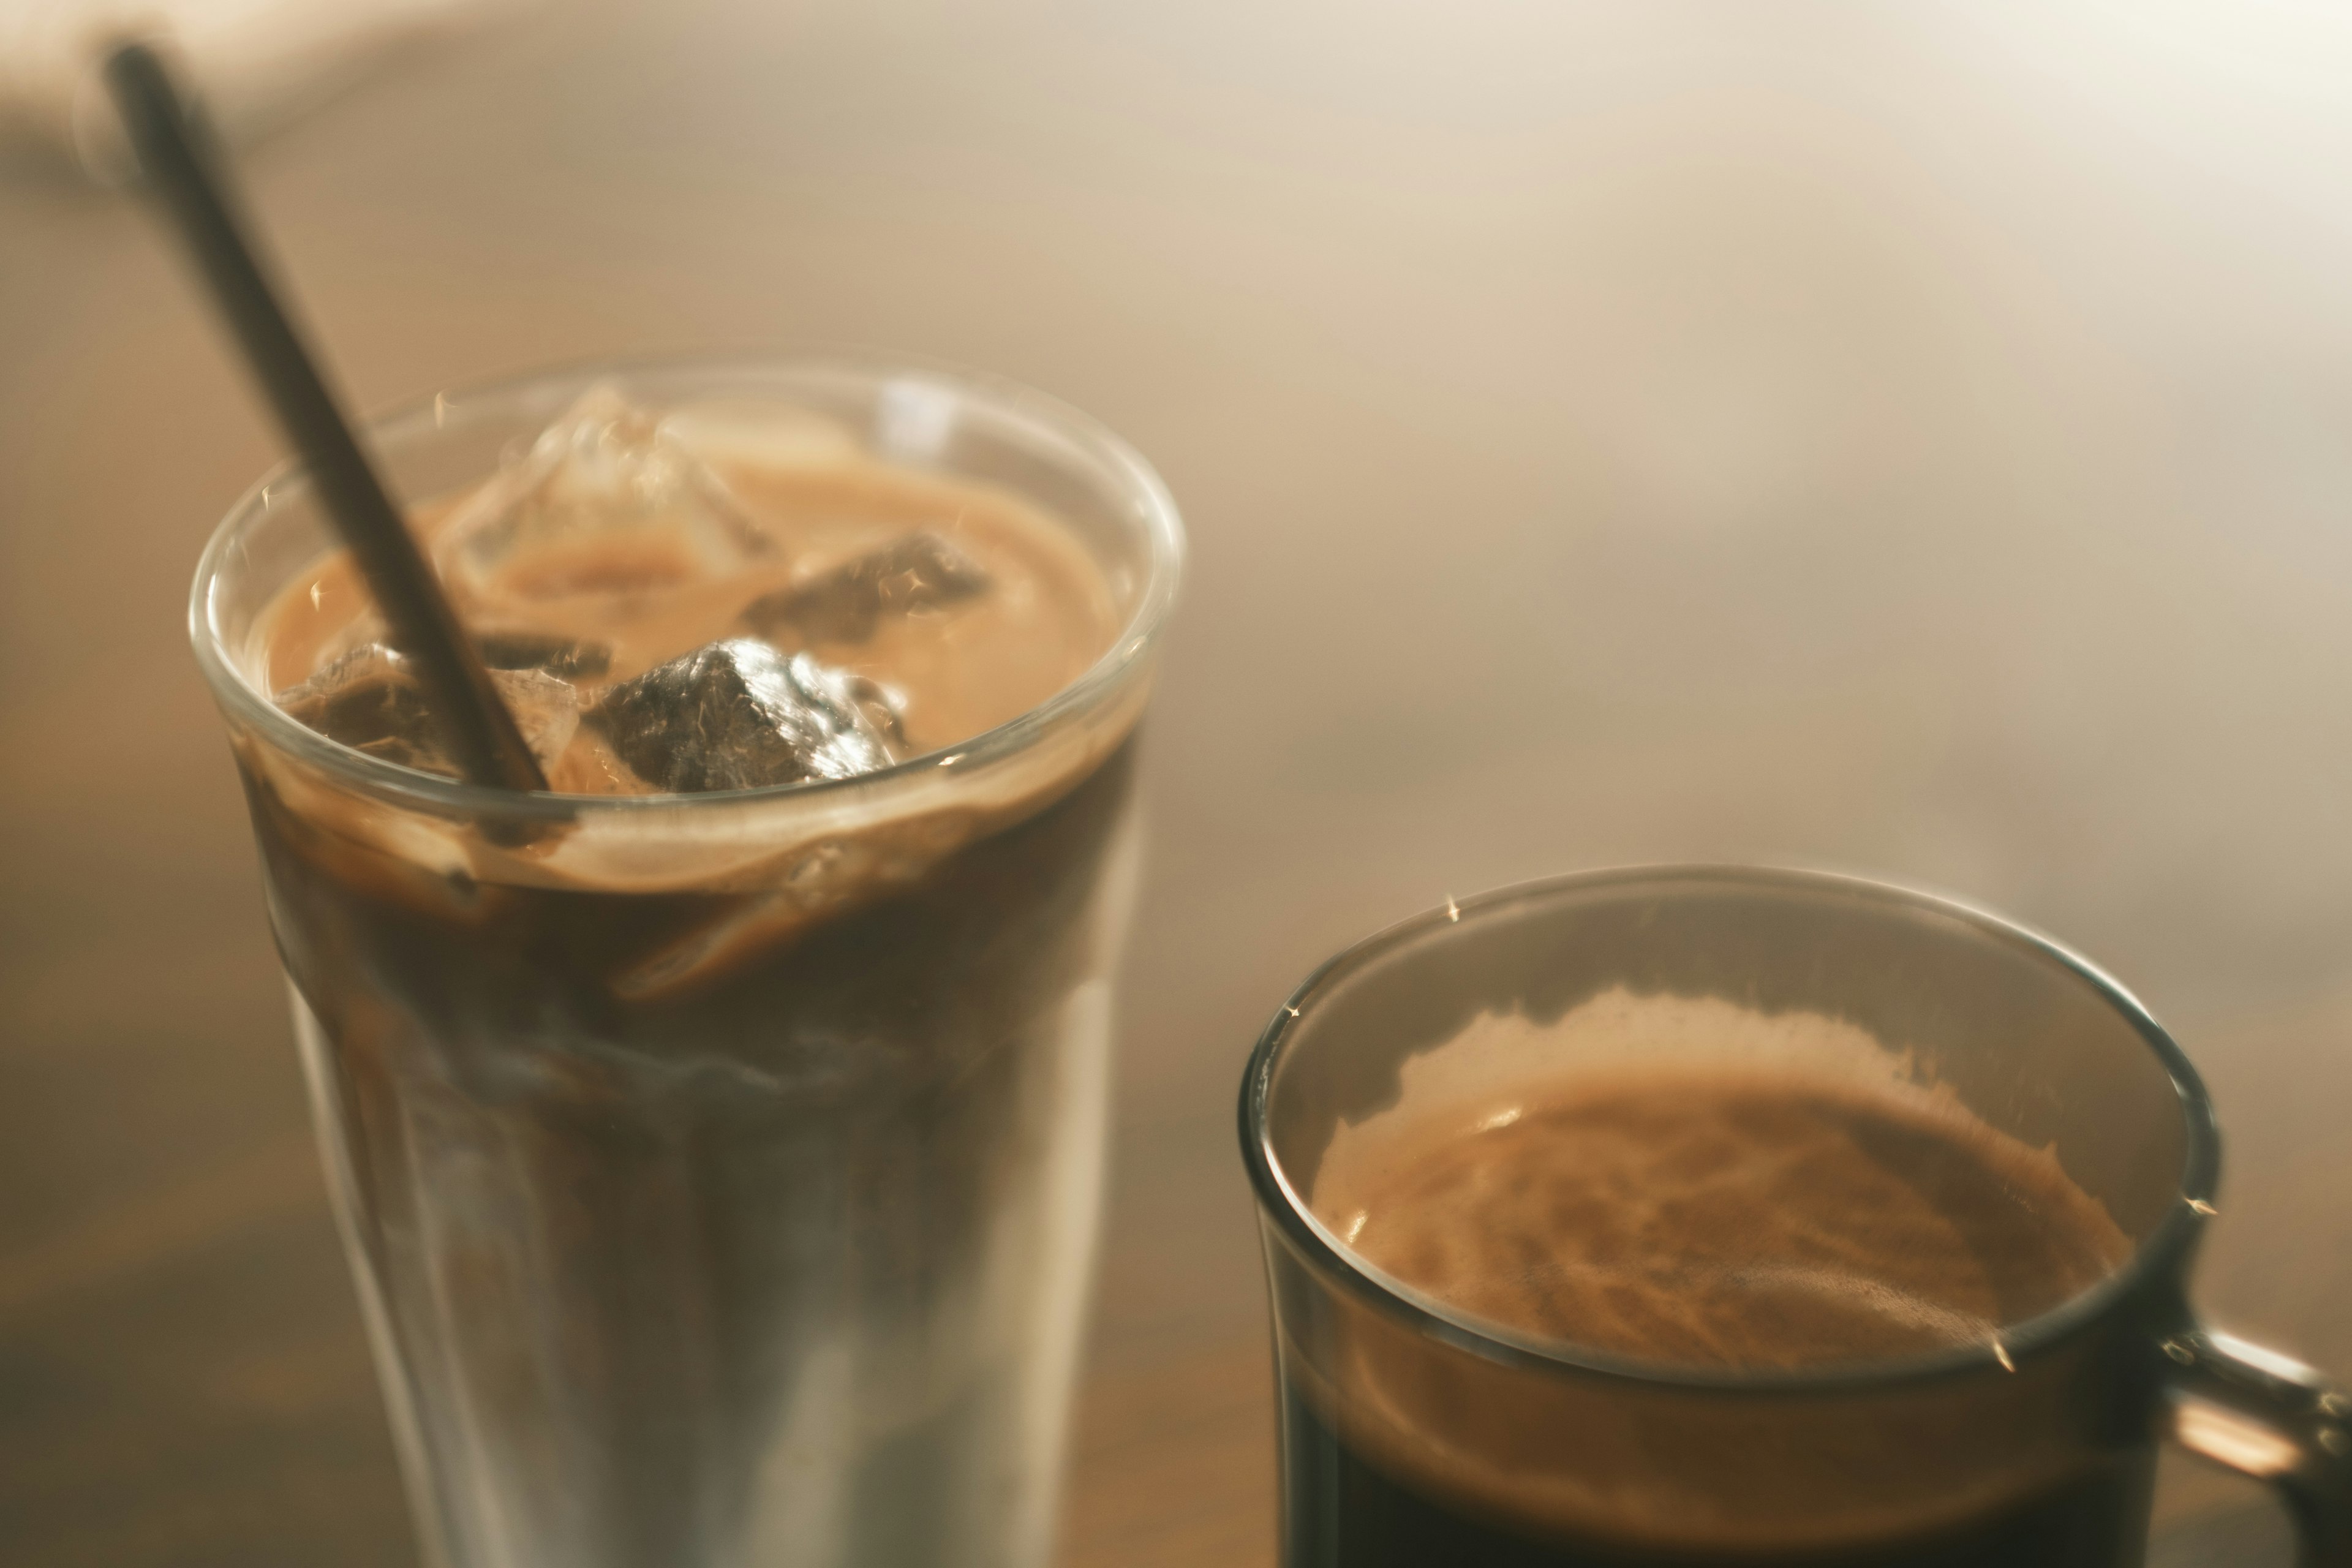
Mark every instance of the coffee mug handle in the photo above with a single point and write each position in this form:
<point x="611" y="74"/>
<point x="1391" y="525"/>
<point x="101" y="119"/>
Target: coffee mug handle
<point x="2271" y="1417"/>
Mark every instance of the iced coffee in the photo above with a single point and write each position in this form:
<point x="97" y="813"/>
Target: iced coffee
<point x="718" y="1138"/>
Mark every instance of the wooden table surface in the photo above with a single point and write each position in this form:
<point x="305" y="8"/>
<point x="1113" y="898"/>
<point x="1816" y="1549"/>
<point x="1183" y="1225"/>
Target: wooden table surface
<point x="1902" y="438"/>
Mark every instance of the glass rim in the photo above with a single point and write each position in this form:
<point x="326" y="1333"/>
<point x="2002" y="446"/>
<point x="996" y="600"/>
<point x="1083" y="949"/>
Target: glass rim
<point x="2152" y="1261"/>
<point x="448" y="407"/>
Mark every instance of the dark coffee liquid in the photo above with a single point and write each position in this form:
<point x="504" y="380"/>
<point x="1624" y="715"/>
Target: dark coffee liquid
<point x="1699" y="1215"/>
<point x="605" y="1227"/>
<point x="1342" y="1510"/>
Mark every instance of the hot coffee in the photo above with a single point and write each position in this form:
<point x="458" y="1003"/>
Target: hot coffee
<point x="1717" y="1216"/>
<point x="1737" y="1218"/>
<point x="1711" y="1190"/>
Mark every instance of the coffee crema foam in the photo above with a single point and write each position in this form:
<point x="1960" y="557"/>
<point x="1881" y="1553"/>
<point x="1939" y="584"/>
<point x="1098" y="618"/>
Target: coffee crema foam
<point x="1682" y="1180"/>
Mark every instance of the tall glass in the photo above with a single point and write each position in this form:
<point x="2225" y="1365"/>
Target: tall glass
<point x="1415" y="1434"/>
<point x="719" y="1174"/>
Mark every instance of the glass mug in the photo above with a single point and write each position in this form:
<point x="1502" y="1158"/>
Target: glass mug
<point x="1412" y="1433"/>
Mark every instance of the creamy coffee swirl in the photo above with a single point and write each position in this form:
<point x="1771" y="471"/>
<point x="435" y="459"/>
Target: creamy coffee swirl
<point x="1725" y="1213"/>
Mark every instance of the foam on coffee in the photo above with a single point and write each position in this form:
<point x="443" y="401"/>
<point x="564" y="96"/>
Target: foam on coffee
<point x="1687" y="1184"/>
<point x="1684" y="1180"/>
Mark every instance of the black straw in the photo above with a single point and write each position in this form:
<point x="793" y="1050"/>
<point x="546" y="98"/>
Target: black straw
<point x="175" y="151"/>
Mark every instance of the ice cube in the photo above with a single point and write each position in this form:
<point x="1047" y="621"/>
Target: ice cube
<point x="738" y="714"/>
<point x="918" y="572"/>
<point x="569" y="657"/>
<point x="371" y="701"/>
<point x="607" y="504"/>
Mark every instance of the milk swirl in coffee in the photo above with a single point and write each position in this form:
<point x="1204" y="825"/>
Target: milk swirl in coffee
<point x="1686" y="1184"/>
<point x="1745" y="1219"/>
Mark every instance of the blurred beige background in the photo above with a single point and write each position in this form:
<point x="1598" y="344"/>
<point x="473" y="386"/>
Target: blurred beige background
<point x="1912" y="439"/>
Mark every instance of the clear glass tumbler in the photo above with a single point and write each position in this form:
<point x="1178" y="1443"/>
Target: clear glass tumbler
<point x="719" y="1174"/>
